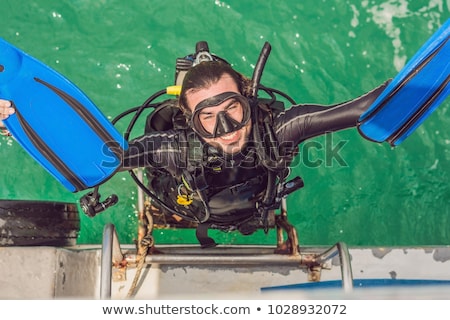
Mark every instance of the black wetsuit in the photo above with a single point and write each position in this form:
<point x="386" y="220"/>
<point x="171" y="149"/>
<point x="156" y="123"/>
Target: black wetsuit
<point x="234" y="185"/>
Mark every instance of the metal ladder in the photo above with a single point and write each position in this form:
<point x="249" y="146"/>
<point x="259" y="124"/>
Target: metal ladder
<point x="112" y="256"/>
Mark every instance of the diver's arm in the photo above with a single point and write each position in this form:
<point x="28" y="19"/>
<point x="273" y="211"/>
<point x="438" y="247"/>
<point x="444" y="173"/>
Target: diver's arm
<point x="306" y="121"/>
<point x="157" y="150"/>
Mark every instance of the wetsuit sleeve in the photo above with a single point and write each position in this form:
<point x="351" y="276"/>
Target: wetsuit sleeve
<point x="157" y="150"/>
<point x="302" y="122"/>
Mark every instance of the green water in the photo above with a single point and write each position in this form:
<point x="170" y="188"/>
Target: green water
<point x="120" y="52"/>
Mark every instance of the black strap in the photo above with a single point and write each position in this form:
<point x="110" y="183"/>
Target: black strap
<point x="202" y="236"/>
<point x="86" y="115"/>
<point x="48" y="153"/>
<point x="423" y="108"/>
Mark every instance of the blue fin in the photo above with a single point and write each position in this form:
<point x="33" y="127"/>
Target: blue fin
<point x="419" y="88"/>
<point x="56" y="123"/>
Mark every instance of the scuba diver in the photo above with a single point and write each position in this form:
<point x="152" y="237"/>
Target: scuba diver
<point x="218" y="156"/>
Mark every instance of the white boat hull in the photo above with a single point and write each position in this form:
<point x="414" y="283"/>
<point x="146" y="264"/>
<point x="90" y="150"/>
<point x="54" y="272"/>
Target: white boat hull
<point x="252" y="272"/>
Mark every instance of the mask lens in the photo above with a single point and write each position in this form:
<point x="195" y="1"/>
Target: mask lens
<point x="211" y="121"/>
<point x="233" y="113"/>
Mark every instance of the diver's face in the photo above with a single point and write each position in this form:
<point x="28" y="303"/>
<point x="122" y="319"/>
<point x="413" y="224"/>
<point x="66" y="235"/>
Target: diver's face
<point x="231" y="142"/>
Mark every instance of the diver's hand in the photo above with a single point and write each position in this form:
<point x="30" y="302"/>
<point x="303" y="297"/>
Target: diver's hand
<point x="5" y="109"/>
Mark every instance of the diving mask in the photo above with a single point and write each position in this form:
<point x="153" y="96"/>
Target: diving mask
<point x="234" y="115"/>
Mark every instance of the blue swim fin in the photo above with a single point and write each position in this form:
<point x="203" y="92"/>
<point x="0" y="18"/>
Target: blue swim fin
<point x="419" y="88"/>
<point x="56" y="123"/>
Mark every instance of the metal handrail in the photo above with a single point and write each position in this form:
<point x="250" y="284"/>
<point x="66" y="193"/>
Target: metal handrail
<point x="340" y="249"/>
<point x="111" y="253"/>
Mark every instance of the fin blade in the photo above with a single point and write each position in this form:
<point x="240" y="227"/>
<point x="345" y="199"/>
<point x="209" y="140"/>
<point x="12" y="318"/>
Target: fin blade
<point x="60" y="127"/>
<point x="412" y="95"/>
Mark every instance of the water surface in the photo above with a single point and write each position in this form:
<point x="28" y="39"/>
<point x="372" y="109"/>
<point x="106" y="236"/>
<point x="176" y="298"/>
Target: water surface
<point x="323" y="52"/>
